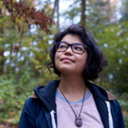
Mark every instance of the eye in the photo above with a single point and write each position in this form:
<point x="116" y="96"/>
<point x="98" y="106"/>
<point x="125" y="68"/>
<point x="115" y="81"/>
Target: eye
<point x="78" y="48"/>
<point x="61" y="46"/>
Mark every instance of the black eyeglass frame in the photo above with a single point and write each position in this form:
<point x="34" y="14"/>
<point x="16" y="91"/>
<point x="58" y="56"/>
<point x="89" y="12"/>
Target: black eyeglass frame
<point x="71" y="45"/>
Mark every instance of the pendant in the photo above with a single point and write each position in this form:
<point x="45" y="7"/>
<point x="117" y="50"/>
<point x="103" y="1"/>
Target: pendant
<point x="78" y="122"/>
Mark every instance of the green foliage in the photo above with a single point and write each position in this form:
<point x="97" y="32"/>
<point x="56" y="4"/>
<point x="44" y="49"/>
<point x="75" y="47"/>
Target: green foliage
<point x="11" y="99"/>
<point x="13" y="95"/>
<point x="24" y="66"/>
<point x="113" y="41"/>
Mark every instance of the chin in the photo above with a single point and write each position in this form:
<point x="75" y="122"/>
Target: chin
<point x="68" y="71"/>
<point x="65" y="69"/>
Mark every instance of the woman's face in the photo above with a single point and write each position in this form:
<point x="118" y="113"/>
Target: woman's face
<point x="68" y="61"/>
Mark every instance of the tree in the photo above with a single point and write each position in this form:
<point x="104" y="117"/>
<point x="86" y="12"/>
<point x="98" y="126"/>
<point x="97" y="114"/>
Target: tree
<point x="56" y="10"/>
<point x="83" y="15"/>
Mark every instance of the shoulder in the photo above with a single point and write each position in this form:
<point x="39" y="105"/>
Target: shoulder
<point x="31" y="107"/>
<point x="32" y="103"/>
<point x="115" y="105"/>
<point x="34" y="96"/>
<point x="113" y="101"/>
<point x="110" y="96"/>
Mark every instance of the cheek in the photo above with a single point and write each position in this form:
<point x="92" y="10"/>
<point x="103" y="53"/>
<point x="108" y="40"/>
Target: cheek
<point x="82" y="62"/>
<point x="56" y="59"/>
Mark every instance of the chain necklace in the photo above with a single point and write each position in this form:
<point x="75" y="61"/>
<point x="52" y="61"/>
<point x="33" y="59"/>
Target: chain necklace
<point x="78" y="119"/>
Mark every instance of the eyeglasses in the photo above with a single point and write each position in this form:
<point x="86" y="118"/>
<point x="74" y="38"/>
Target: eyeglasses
<point x="76" y="48"/>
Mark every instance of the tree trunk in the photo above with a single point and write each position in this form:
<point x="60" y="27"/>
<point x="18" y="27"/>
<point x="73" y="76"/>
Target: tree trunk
<point x="83" y="16"/>
<point x="1" y="51"/>
<point x="56" y="10"/>
<point x="53" y="12"/>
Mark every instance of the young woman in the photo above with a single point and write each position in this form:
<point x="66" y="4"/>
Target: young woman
<point x="73" y="101"/>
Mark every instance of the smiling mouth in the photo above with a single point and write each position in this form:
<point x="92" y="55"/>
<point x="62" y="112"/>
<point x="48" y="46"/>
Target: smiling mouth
<point x="67" y="60"/>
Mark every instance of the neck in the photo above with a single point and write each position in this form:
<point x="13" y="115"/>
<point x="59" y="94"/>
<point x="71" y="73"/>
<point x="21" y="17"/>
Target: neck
<point x="73" y="87"/>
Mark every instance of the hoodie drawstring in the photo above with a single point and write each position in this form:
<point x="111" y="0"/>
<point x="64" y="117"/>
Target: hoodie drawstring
<point x="53" y="119"/>
<point x="109" y="115"/>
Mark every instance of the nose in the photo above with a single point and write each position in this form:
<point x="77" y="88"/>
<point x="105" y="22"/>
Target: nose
<point x="69" y="51"/>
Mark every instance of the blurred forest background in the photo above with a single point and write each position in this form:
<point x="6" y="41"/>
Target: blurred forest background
<point x="25" y="40"/>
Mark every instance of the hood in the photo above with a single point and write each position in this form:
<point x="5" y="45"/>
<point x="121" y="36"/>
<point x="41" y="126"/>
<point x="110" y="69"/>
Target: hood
<point x="47" y="94"/>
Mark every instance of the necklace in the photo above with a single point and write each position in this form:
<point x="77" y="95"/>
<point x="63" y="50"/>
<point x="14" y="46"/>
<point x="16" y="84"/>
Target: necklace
<point x="78" y="119"/>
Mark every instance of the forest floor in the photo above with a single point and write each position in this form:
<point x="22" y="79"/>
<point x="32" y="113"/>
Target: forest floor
<point x="7" y="126"/>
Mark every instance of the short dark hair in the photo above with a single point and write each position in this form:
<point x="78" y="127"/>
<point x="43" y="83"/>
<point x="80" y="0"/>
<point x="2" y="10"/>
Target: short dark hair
<point x="95" y="60"/>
